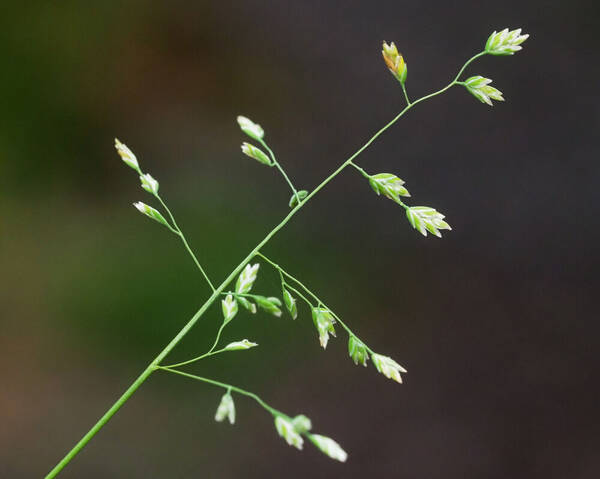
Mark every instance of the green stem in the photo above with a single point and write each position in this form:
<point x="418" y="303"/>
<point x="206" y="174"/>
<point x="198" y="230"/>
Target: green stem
<point x="173" y="230"/>
<point x="362" y="172"/>
<point x="321" y="303"/>
<point x="211" y="351"/>
<point x="467" y="63"/>
<point x="281" y="170"/>
<point x="216" y="292"/>
<point x="283" y="271"/>
<point x="139" y="381"/>
<point x="101" y="422"/>
<point x="178" y="232"/>
<point x="218" y="337"/>
<point x="284" y="285"/>
<point x="405" y="93"/>
<point x="228" y="387"/>
<point x="190" y="361"/>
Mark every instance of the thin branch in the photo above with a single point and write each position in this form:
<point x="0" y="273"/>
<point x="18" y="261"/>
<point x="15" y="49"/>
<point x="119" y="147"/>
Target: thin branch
<point x="185" y="243"/>
<point x="405" y="93"/>
<point x="210" y="352"/>
<point x="228" y="387"/>
<point x="305" y="288"/>
<point x="281" y="170"/>
<point x="362" y="172"/>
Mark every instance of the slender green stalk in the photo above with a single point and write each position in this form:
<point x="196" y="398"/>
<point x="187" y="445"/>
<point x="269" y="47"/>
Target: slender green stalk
<point x="211" y="351"/>
<point x="216" y="292"/>
<point x="229" y="387"/>
<point x="405" y="93"/>
<point x="284" y="272"/>
<point x="467" y="63"/>
<point x="362" y="172"/>
<point x="190" y="361"/>
<point x="281" y="170"/>
<point x="285" y="284"/>
<point x="217" y="338"/>
<point x="178" y="232"/>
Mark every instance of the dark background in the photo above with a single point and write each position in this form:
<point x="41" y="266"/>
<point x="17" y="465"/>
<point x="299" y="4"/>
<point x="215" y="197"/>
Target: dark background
<point x="497" y="322"/>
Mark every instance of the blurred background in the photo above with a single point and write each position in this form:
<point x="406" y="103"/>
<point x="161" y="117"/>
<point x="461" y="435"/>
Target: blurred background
<point x="496" y="322"/>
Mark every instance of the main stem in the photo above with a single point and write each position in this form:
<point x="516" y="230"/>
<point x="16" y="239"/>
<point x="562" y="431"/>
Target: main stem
<point x="216" y="292"/>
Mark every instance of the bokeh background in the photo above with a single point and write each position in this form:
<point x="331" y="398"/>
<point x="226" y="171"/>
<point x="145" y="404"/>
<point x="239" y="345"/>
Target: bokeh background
<point x="497" y="322"/>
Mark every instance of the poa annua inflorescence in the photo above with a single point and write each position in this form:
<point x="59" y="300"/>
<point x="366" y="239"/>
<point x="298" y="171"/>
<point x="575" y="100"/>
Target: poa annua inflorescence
<point x="295" y="429"/>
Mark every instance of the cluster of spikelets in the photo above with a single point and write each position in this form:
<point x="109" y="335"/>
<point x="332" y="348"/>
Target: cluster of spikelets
<point x="323" y="319"/>
<point x="423" y="218"/>
<point x="386" y="184"/>
<point x="506" y="42"/>
<point x="499" y="43"/>
<point x="294" y="429"/>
